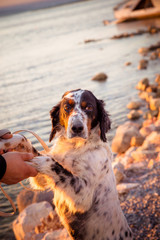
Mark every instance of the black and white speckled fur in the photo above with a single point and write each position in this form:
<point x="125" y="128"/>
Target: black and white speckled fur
<point x="79" y="171"/>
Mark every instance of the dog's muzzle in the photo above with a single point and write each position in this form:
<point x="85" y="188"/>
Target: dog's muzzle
<point x="76" y="127"/>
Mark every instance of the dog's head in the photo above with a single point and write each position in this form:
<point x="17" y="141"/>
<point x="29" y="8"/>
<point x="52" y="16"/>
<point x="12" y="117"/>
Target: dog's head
<point x="78" y="113"/>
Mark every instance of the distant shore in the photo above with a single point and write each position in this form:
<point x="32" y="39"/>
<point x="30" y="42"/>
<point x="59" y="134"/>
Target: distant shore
<point x="8" y="7"/>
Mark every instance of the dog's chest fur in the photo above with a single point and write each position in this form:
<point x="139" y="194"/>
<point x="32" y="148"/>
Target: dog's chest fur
<point x="100" y="215"/>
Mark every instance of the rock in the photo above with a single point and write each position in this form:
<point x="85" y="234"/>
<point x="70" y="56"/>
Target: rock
<point x="24" y="199"/>
<point x="127" y="159"/>
<point x="154" y="104"/>
<point x="158" y="92"/>
<point x="157" y="124"/>
<point x="142" y="64"/>
<point x="123" y="188"/>
<point x="152" y="88"/>
<point x="150" y="96"/>
<point x="136" y="167"/>
<point x="143" y="51"/>
<point x="147" y="96"/>
<point x="50" y="223"/>
<point x="145" y="131"/>
<point x="27" y="197"/>
<point x="134" y="105"/>
<point x="143" y="84"/>
<point x="158" y="157"/>
<point x="133" y="115"/>
<point x="122" y="139"/>
<point x="143" y="95"/>
<point x="106" y="22"/>
<point x="57" y="235"/>
<point x="101" y="77"/>
<point x="150" y="114"/>
<point x="38" y="236"/>
<point x="148" y="122"/>
<point x="152" y="142"/>
<point x="154" y="55"/>
<point x="24" y="225"/>
<point x="157" y="79"/>
<point x="127" y="63"/>
<point x="118" y="170"/>
<point x="143" y="155"/>
<point x="151" y="164"/>
<point x="137" y="140"/>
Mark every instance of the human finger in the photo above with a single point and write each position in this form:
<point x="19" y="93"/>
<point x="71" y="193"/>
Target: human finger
<point x="27" y="156"/>
<point x="7" y="136"/>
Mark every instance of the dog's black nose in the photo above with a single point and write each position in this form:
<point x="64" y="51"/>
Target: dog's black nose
<point x="77" y="128"/>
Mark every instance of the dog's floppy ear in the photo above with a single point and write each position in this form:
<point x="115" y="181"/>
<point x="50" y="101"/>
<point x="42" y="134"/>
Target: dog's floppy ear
<point x="54" y="113"/>
<point x="103" y="119"/>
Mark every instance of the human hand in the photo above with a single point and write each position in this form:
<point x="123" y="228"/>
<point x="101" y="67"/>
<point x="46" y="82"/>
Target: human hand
<point x="17" y="169"/>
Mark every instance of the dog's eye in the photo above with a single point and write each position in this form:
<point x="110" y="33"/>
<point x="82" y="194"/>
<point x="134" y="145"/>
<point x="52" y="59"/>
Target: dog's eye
<point x="67" y="107"/>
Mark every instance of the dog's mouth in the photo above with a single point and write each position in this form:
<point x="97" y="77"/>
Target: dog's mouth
<point x="78" y="135"/>
<point x="77" y="132"/>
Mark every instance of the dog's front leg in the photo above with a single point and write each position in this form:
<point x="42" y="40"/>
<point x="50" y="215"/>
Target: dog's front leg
<point x="78" y="191"/>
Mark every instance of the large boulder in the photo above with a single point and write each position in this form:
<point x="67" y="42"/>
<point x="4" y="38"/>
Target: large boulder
<point x="28" y="196"/>
<point x="124" y="134"/>
<point x="24" y="225"/>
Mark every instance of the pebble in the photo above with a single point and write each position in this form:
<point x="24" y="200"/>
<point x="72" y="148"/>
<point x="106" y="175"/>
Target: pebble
<point x="142" y="84"/>
<point x="142" y="64"/>
<point x="123" y="188"/>
<point x="154" y="104"/>
<point x="127" y="63"/>
<point x="133" y="115"/>
<point x="134" y="105"/>
<point x="100" y="77"/>
<point x="118" y="170"/>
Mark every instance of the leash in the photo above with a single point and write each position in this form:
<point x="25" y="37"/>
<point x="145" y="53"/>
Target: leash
<point x="46" y="148"/>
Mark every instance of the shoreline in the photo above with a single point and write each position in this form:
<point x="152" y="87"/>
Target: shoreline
<point x="137" y="163"/>
<point x="10" y="8"/>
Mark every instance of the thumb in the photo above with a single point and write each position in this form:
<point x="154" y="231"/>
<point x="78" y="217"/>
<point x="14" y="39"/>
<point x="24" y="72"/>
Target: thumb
<point x="33" y="171"/>
<point x="27" y="156"/>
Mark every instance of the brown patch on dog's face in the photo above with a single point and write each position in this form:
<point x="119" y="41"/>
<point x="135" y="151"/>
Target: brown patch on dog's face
<point x="66" y="108"/>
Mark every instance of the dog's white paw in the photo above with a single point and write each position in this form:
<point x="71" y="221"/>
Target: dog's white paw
<point x="42" y="163"/>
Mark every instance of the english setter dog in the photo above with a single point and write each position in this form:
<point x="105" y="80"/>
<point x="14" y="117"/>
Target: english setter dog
<point x="78" y="169"/>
